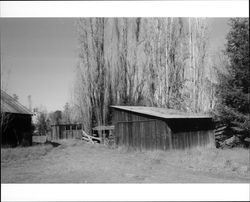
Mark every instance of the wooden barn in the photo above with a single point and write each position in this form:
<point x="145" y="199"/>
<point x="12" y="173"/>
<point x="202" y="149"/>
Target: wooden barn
<point x="16" y="126"/>
<point x="149" y="128"/>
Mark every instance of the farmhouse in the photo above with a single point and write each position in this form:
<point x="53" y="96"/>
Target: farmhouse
<point x="149" y="128"/>
<point x="16" y="127"/>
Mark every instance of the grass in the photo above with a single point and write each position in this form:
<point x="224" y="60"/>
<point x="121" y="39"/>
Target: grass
<point x="24" y="153"/>
<point x="75" y="161"/>
<point x="228" y="161"/>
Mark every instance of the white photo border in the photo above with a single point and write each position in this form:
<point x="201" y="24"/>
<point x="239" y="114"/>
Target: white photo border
<point x="124" y="192"/>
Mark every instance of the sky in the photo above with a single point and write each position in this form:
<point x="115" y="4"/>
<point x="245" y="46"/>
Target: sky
<point x="218" y="28"/>
<point x="39" y="57"/>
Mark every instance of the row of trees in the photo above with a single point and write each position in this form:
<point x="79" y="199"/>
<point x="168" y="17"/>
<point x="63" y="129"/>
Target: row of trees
<point x="161" y="62"/>
<point x="43" y="120"/>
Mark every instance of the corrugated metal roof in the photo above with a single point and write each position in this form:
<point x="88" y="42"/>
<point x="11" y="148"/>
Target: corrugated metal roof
<point x="10" y="105"/>
<point x="161" y="112"/>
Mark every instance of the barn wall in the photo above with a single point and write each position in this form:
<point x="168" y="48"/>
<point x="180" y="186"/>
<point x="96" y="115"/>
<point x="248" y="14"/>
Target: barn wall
<point x="144" y="132"/>
<point x="139" y="132"/>
<point x="18" y="131"/>
<point x="190" y="139"/>
<point x="187" y="133"/>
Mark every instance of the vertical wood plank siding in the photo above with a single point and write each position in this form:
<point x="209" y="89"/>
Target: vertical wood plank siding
<point x="64" y="132"/>
<point x="140" y="132"/>
<point x="183" y="140"/>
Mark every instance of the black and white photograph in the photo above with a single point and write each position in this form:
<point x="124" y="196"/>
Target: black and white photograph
<point x="125" y="100"/>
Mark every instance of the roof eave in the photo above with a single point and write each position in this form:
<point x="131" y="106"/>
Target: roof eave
<point x="162" y="116"/>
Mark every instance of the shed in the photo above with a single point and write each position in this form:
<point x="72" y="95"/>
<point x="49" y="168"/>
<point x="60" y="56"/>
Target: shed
<point x="149" y="128"/>
<point x="65" y="131"/>
<point x="16" y="126"/>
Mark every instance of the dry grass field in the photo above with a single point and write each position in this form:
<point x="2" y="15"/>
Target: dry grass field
<point x="78" y="162"/>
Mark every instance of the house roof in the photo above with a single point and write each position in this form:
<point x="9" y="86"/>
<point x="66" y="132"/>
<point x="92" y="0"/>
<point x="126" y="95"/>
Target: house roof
<point x="161" y="112"/>
<point x="10" y="105"/>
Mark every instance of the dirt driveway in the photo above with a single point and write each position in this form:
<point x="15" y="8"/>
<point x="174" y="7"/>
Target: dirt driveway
<point x="79" y="162"/>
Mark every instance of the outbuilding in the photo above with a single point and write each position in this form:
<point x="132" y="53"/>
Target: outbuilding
<point x="16" y="126"/>
<point x="149" y="128"/>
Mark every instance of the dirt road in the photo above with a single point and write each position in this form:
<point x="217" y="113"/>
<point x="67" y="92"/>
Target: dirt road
<point x="85" y="163"/>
